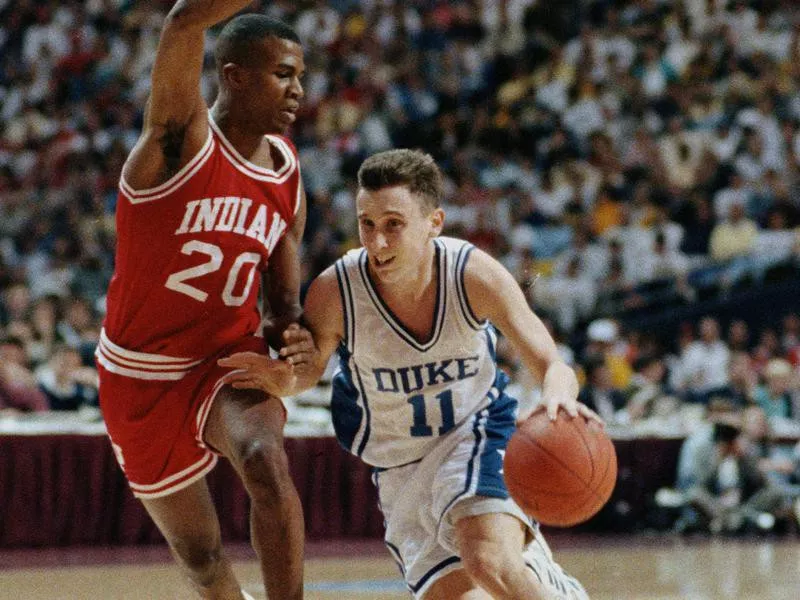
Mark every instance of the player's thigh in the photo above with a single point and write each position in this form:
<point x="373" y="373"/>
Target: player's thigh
<point x="455" y="586"/>
<point x="186" y="518"/>
<point x="240" y="417"/>
<point x="493" y="533"/>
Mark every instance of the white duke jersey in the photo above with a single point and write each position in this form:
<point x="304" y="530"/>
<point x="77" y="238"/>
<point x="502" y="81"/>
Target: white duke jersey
<point x="394" y="396"/>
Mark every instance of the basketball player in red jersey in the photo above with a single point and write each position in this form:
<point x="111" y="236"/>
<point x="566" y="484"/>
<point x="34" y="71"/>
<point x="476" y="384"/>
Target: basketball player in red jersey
<point x="208" y="200"/>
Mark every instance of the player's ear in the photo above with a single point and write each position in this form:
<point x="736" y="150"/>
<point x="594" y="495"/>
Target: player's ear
<point x="233" y="76"/>
<point x="437" y="221"/>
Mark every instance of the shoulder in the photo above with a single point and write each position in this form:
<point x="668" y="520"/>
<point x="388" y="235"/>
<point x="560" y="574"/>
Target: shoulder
<point x="491" y="291"/>
<point x="482" y="271"/>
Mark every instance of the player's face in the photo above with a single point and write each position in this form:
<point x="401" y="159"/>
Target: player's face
<point x="273" y="89"/>
<point x="396" y="232"/>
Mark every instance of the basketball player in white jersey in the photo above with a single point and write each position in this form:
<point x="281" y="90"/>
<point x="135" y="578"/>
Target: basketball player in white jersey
<point x="418" y="394"/>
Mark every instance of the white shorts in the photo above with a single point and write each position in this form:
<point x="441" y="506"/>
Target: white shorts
<point x="462" y="476"/>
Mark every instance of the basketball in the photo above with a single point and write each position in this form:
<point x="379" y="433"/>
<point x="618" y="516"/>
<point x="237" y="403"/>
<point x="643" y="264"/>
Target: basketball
<point x="560" y="472"/>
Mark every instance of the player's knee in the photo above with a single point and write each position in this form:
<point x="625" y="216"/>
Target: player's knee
<point x="201" y="555"/>
<point x="265" y="469"/>
<point x="486" y="564"/>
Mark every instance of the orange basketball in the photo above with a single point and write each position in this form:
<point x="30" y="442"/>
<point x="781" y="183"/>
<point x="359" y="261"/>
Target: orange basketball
<point x="560" y="472"/>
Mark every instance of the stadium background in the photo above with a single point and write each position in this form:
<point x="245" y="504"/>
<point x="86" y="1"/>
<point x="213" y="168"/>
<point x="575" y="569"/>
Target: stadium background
<point x="642" y="157"/>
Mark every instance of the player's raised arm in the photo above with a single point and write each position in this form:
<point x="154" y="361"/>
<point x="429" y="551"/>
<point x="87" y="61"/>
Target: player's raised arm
<point x="493" y="294"/>
<point x="175" y="123"/>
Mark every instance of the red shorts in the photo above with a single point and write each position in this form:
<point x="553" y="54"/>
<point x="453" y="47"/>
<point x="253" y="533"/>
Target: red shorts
<point x="155" y="409"/>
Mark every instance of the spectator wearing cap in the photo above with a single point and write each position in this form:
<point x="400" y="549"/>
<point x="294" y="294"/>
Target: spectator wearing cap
<point x="604" y="341"/>
<point x="774" y="396"/>
<point x="599" y="393"/>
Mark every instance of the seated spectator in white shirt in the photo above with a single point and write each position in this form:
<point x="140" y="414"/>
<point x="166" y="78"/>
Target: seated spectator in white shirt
<point x="661" y="262"/>
<point x="736" y="192"/>
<point x="594" y="257"/>
<point x="569" y="297"/>
<point x="703" y="365"/>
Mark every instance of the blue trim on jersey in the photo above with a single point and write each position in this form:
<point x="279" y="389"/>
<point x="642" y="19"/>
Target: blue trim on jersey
<point x="492" y="429"/>
<point x="345" y="303"/>
<point x="439" y="309"/>
<point x="346" y="414"/>
<point x="368" y="414"/>
<point x="498" y="428"/>
<point x="346" y="290"/>
<point x="491" y="341"/>
<point x="423" y="580"/>
<point x="466" y="309"/>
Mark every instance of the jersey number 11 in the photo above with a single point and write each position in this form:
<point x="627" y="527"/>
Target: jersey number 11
<point x="421" y="427"/>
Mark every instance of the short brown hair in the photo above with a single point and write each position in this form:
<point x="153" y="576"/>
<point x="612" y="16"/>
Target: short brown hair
<point x="413" y="169"/>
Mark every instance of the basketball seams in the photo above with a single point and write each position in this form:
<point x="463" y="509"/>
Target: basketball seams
<point x="611" y="460"/>
<point x="546" y="504"/>
<point x="581" y="434"/>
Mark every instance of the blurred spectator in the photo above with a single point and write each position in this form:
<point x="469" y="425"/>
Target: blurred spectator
<point x="638" y="122"/>
<point x="599" y="393"/>
<point x="742" y="380"/>
<point x="703" y="365"/>
<point x="724" y="489"/>
<point x="18" y="389"/>
<point x="570" y="296"/>
<point x="67" y="384"/>
<point x="738" y="339"/>
<point x="603" y="342"/>
<point x="648" y="396"/>
<point x="774" y="397"/>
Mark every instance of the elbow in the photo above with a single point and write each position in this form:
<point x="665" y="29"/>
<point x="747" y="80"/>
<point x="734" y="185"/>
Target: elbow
<point x="183" y="16"/>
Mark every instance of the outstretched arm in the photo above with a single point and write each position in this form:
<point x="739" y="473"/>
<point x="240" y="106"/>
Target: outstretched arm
<point x="175" y="122"/>
<point x="493" y="294"/>
<point x="303" y="357"/>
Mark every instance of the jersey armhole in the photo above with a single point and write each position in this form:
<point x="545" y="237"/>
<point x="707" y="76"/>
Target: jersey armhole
<point x="348" y="309"/>
<point x="461" y="289"/>
<point x="299" y="194"/>
<point x="173" y="183"/>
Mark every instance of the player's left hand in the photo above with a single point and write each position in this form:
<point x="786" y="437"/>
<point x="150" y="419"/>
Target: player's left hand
<point x="573" y="408"/>
<point x="254" y="371"/>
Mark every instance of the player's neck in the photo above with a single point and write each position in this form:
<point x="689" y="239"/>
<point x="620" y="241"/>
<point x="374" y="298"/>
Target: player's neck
<point x="236" y="131"/>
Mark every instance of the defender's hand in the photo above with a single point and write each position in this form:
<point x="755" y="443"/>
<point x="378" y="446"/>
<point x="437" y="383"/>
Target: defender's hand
<point x="298" y="346"/>
<point x="253" y="371"/>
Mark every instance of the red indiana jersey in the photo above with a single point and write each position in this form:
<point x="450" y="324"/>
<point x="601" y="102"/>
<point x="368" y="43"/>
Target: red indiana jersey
<point x="189" y="255"/>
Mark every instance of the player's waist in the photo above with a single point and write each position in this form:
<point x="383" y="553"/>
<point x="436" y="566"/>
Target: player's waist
<point x="142" y="365"/>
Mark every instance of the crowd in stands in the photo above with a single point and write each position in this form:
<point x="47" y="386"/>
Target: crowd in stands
<point x="615" y="155"/>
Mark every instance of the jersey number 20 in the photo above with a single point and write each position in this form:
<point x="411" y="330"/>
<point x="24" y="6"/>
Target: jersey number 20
<point x="177" y="281"/>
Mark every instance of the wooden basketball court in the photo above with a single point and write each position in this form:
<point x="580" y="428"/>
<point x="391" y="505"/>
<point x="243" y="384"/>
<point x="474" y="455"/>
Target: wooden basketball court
<point x="659" y="568"/>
